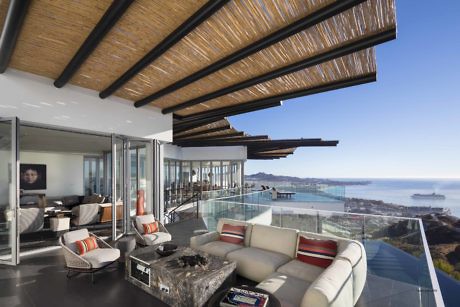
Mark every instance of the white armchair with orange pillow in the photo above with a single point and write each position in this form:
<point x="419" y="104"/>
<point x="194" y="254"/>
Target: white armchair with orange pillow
<point x="149" y="231"/>
<point x="84" y="252"/>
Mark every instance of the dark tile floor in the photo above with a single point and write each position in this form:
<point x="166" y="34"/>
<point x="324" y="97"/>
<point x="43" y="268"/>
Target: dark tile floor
<point x="40" y="280"/>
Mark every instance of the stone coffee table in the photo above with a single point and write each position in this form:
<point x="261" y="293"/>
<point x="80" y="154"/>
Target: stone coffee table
<point x="165" y="279"/>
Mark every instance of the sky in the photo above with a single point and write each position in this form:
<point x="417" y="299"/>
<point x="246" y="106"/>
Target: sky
<point x="405" y="125"/>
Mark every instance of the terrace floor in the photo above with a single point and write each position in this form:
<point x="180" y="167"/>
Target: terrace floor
<point x="40" y="280"/>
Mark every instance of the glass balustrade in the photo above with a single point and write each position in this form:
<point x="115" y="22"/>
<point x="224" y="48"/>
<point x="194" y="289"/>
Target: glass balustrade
<point x="397" y="252"/>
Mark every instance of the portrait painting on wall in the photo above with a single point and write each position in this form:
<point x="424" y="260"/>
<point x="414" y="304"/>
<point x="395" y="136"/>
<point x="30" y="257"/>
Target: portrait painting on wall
<point x="32" y="176"/>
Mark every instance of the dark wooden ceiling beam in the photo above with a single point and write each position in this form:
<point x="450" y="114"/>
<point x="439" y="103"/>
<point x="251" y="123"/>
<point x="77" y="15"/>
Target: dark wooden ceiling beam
<point x="197" y="133"/>
<point x="17" y="10"/>
<point x="255" y="145"/>
<point x="234" y="110"/>
<point x="212" y="137"/>
<point x="226" y="138"/>
<point x="346" y="49"/>
<point x="105" y="24"/>
<point x="231" y="111"/>
<point x="302" y="24"/>
<point x="185" y="28"/>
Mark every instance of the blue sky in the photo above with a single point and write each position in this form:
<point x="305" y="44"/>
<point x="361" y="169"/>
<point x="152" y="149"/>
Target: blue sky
<point x="405" y="125"/>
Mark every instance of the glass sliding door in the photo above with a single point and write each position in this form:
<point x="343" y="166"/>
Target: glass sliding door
<point x="93" y="175"/>
<point x="119" y="200"/>
<point x="140" y="178"/>
<point x="9" y="191"/>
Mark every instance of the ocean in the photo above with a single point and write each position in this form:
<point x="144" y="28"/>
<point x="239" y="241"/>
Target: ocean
<point x="399" y="191"/>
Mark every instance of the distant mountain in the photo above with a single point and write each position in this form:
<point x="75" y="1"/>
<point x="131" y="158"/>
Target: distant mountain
<point x="263" y="177"/>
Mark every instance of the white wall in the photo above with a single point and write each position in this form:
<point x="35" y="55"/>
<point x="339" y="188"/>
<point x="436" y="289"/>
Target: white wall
<point x="35" y="99"/>
<point x="64" y="172"/>
<point x="205" y="153"/>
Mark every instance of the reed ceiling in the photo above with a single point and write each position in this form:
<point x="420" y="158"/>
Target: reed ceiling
<point x="54" y="31"/>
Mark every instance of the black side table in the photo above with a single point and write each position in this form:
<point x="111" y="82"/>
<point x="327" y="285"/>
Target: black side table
<point x="126" y="245"/>
<point x="214" y="301"/>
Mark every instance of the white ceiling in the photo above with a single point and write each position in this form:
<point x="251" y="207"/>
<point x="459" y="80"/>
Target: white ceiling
<point x="41" y="139"/>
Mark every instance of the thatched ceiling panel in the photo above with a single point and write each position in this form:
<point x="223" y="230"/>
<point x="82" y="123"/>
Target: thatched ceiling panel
<point x="371" y="17"/>
<point x="142" y="27"/>
<point x="354" y="65"/>
<point x="233" y="27"/>
<point x="3" y="10"/>
<point x="52" y="32"/>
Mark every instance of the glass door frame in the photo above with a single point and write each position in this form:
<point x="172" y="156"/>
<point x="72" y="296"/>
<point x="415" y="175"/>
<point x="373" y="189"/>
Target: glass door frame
<point x="14" y="191"/>
<point x="125" y="173"/>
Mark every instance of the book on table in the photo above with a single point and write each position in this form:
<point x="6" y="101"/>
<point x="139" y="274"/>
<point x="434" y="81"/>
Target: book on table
<point x="244" y="298"/>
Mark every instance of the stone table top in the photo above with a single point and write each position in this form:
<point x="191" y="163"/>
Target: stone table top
<point x="186" y="286"/>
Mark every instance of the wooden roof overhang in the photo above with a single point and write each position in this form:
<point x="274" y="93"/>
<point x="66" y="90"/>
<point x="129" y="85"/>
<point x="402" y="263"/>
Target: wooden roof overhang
<point x="258" y="146"/>
<point x="201" y="60"/>
<point x="191" y="57"/>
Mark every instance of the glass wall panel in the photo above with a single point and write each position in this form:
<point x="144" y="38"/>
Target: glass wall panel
<point x="186" y="179"/>
<point x="8" y="193"/>
<point x="226" y="177"/>
<point x="195" y="176"/>
<point x="206" y="175"/>
<point x="236" y="174"/>
<point x="216" y="175"/>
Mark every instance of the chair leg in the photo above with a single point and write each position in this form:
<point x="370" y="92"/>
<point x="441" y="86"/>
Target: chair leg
<point x="92" y="277"/>
<point x="68" y="274"/>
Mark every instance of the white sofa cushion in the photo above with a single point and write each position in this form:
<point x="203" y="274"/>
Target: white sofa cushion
<point x="289" y="290"/>
<point x="257" y="264"/>
<point x="101" y="256"/>
<point x="333" y="288"/>
<point x="72" y="236"/>
<point x="301" y="270"/>
<point x="247" y="237"/>
<point x="156" y="238"/>
<point x="143" y="219"/>
<point x="219" y="248"/>
<point x="275" y="239"/>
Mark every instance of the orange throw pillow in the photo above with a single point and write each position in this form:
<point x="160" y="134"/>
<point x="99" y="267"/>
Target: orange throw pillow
<point x="151" y="228"/>
<point x="86" y="245"/>
<point x="316" y="252"/>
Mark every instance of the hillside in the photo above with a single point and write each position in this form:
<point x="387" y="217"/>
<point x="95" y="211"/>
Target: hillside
<point x="266" y="178"/>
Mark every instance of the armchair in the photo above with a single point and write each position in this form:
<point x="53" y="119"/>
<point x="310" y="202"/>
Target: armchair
<point x="91" y="261"/>
<point x="151" y="238"/>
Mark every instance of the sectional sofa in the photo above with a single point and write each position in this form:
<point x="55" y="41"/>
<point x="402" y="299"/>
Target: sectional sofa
<point x="268" y="256"/>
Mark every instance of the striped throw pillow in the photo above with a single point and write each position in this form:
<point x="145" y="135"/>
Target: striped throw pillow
<point x="233" y="234"/>
<point x="86" y="245"/>
<point x="150" y="228"/>
<point x="316" y="252"/>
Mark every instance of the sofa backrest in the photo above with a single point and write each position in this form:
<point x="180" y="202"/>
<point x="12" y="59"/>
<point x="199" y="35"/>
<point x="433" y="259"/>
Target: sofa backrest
<point x="351" y="251"/>
<point x="332" y="288"/>
<point x="31" y="220"/>
<point x="248" y="234"/>
<point x="85" y="214"/>
<point x="275" y="239"/>
<point x="69" y="238"/>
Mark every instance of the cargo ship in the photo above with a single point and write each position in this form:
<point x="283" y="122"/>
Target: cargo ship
<point x="429" y="196"/>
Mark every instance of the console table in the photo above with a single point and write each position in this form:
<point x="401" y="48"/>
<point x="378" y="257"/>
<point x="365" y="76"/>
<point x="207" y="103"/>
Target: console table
<point x="175" y="285"/>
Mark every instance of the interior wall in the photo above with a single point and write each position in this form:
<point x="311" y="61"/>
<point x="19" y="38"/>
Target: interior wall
<point x="35" y="99"/>
<point x="64" y="173"/>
